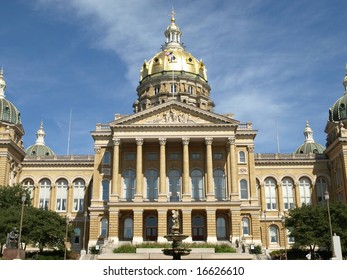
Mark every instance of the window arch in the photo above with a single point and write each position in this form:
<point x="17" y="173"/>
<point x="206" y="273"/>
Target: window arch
<point x="305" y="191"/>
<point x="321" y="187"/>
<point x="29" y="185"/>
<point x="174" y="185"/>
<point x="245" y="226"/>
<point x="61" y="195"/>
<point x="273" y="234"/>
<point x="270" y="194"/>
<point x="129" y="177"/>
<point x="152" y="184"/>
<point x="219" y="184"/>
<point x="197" y="184"/>
<point x="106" y="158"/>
<point x="104" y="228"/>
<point x="128" y="228"/>
<point x="105" y="190"/>
<point x="78" y="195"/>
<point x="45" y="193"/>
<point x="242" y="157"/>
<point x="288" y="194"/>
<point x="221" y="228"/>
<point x="243" y="189"/>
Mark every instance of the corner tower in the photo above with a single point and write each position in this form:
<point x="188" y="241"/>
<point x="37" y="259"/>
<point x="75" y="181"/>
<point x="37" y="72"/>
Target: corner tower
<point x="173" y="74"/>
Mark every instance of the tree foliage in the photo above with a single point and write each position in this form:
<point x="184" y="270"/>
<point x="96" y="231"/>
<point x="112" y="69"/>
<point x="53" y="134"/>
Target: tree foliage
<point x="309" y="225"/>
<point x="42" y="228"/>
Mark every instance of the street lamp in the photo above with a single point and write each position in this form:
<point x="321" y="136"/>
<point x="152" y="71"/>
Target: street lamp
<point x="326" y="197"/>
<point x="285" y="236"/>
<point x="66" y="233"/>
<point x="20" y="226"/>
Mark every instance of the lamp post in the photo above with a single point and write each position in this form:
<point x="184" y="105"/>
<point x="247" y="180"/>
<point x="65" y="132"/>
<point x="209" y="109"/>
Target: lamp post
<point x="20" y="226"/>
<point x="66" y="233"/>
<point x="285" y="236"/>
<point x="326" y="197"/>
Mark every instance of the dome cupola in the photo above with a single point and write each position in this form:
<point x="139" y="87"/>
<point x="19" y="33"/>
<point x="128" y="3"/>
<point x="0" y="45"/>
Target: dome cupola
<point x="39" y="148"/>
<point x="8" y="112"/>
<point x="338" y="111"/>
<point x="173" y="73"/>
<point x="309" y="145"/>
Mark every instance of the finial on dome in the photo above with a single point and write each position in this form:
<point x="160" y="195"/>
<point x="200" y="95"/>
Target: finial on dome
<point x="40" y="135"/>
<point x="173" y="15"/>
<point x="308" y="132"/>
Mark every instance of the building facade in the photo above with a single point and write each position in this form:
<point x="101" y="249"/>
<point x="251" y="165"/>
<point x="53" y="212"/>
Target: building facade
<point x="175" y="152"/>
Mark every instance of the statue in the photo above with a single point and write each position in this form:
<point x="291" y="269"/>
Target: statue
<point x="175" y="222"/>
<point x="12" y="238"/>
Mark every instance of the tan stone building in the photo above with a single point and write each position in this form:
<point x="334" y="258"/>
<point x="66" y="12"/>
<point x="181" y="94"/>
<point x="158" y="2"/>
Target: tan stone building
<point x="175" y="152"/>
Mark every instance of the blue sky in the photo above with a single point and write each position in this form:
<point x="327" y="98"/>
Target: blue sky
<point x="274" y="63"/>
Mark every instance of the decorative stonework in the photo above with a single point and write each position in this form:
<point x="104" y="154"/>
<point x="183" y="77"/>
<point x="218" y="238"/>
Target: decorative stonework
<point x="231" y="140"/>
<point x="243" y="170"/>
<point x="173" y="116"/>
<point x="185" y="141"/>
<point x="208" y="141"/>
<point x="139" y="141"/>
<point x="97" y="150"/>
<point x="162" y="141"/>
<point x="116" y="141"/>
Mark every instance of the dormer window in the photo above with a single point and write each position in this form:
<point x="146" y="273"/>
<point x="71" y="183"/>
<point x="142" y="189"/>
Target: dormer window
<point x="190" y="89"/>
<point x="173" y="88"/>
<point x="156" y="90"/>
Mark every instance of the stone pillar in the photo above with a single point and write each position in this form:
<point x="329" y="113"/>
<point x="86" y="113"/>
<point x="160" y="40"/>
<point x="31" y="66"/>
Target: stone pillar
<point x="209" y="170"/>
<point x="233" y="167"/>
<point x="138" y="191"/>
<point x="114" y="225"/>
<point x="162" y="225"/>
<point x="297" y="194"/>
<point x="94" y="229"/>
<point x="251" y="168"/>
<point x="138" y="226"/>
<point x="96" y="199"/>
<point x="53" y="196"/>
<point x="211" y="225"/>
<point x="186" y="196"/>
<point x="236" y="225"/>
<point x="262" y="197"/>
<point x="115" y="190"/>
<point x="162" y="170"/>
<point x="187" y="224"/>
<point x="280" y="198"/>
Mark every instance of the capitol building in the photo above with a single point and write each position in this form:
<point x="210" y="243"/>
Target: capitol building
<point x="174" y="152"/>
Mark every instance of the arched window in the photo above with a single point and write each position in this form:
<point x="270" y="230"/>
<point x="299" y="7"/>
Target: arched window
<point x="106" y="160"/>
<point x="105" y="190"/>
<point x="288" y="194"/>
<point x="78" y="195"/>
<point x="221" y="228"/>
<point x="128" y="228"/>
<point x="321" y="187"/>
<point x="190" y="89"/>
<point x="270" y="194"/>
<point x="152" y="184"/>
<point x="28" y="184"/>
<point x="242" y="157"/>
<point x="129" y="177"/>
<point x="61" y="195"/>
<point x="219" y="184"/>
<point x="243" y="189"/>
<point x="151" y="228"/>
<point x="245" y="226"/>
<point x="173" y="88"/>
<point x="305" y="192"/>
<point x="198" y="228"/>
<point x="197" y="184"/>
<point x="77" y="235"/>
<point x="45" y="193"/>
<point x="273" y="234"/>
<point x="175" y="185"/>
<point x="157" y="90"/>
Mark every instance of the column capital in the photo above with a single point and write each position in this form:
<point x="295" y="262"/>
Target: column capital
<point x="139" y="141"/>
<point x="208" y="141"/>
<point x="116" y="141"/>
<point x="185" y="141"/>
<point x="250" y="148"/>
<point x="231" y="140"/>
<point x="97" y="150"/>
<point x="162" y="141"/>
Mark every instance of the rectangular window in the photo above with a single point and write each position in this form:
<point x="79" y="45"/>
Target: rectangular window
<point x="130" y="156"/>
<point x="217" y="156"/>
<point x="174" y="156"/>
<point x="195" y="156"/>
<point x="152" y="156"/>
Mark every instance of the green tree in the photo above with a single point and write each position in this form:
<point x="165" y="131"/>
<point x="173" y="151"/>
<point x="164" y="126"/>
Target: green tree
<point x="43" y="228"/>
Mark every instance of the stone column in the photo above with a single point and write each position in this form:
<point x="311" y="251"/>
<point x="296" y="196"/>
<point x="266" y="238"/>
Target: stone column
<point x="162" y="183"/>
<point x="162" y="225"/>
<point x="211" y="225"/>
<point x="187" y="224"/>
<point x="113" y="225"/>
<point x="138" y="226"/>
<point x="262" y="197"/>
<point x="233" y="171"/>
<point x="251" y="168"/>
<point x="209" y="170"/>
<point x="96" y="199"/>
<point x="297" y="194"/>
<point x="280" y="198"/>
<point x="138" y="191"/>
<point x="115" y="190"/>
<point x="53" y="197"/>
<point x="186" y="196"/>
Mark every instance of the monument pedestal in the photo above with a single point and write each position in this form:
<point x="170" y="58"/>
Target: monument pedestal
<point x="11" y="254"/>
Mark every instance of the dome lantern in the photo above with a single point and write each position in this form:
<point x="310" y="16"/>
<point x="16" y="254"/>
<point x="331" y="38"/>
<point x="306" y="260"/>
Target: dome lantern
<point x="309" y="146"/>
<point x="173" y="35"/>
<point x="40" y="148"/>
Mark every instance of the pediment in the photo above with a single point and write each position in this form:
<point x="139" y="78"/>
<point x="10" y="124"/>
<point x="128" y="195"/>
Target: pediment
<point x="174" y="113"/>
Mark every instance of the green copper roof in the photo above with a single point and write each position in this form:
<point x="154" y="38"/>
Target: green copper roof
<point x="39" y="150"/>
<point x="309" y="146"/>
<point x="8" y="112"/>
